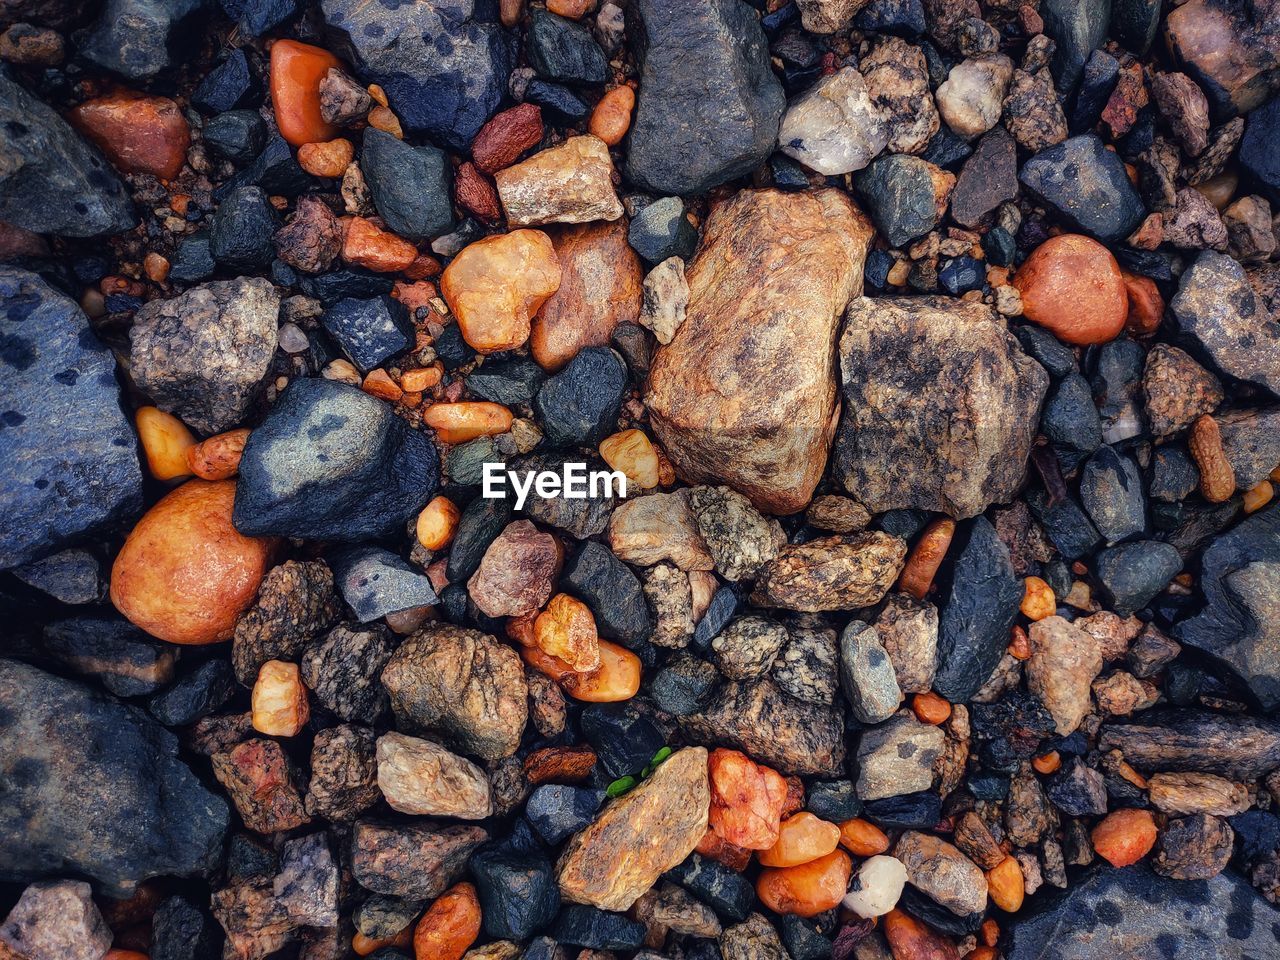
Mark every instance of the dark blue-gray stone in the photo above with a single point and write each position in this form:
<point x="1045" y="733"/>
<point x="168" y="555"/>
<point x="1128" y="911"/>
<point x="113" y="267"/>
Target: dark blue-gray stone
<point x="1111" y="491"/>
<point x="375" y="582"/>
<point x="911" y="811"/>
<point x="256" y="17"/>
<point x="1133" y="573"/>
<point x="802" y="939"/>
<point x="1134" y="24"/>
<point x="661" y="230"/>
<point x="442" y="63"/>
<point x="1260" y="147"/>
<point x="834" y="800"/>
<point x="898" y="190"/>
<point x="562" y="50"/>
<point x="94" y="787"/>
<point x="1069" y="418"/>
<point x="139" y="38"/>
<point x="558" y="810"/>
<point x="723" y="889"/>
<point x="517" y="891"/>
<point x="1067" y="526"/>
<point x="237" y="135"/>
<point x="583" y="926"/>
<point x="180" y="931"/>
<point x="196" y="695"/>
<point x="52" y="181"/>
<point x="369" y="331"/>
<point x="225" y="87"/>
<point x="68" y="455"/>
<point x="243" y="228"/>
<point x="614" y="594"/>
<point x="560" y="105"/>
<point x="1174" y="475"/>
<point x="579" y="406"/>
<point x="481" y="522"/>
<point x="981" y="607"/>
<point x="1097" y="81"/>
<point x="624" y="739"/>
<point x="1050" y="352"/>
<point x="1087" y="184"/>
<point x="709" y="103"/>
<point x="69" y="576"/>
<point x="126" y="661"/>
<point x="684" y="686"/>
<point x="330" y="462"/>
<point x="1077" y="27"/>
<point x="509" y="382"/>
<point x="192" y="261"/>
<point x="1135" y="913"/>
<point x="892" y="16"/>
<point x="409" y="185"/>
<point x="275" y="170"/>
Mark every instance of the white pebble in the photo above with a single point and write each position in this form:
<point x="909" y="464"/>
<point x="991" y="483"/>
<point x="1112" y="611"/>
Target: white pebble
<point x="876" y="887"/>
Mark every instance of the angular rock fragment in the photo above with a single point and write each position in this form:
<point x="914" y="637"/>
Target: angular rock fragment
<point x="55" y="921"/>
<point x="262" y="784"/>
<point x="296" y="602"/>
<point x="342" y="670"/>
<point x="571" y="183"/>
<point x="656" y="527"/>
<point x="867" y="674"/>
<point x="518" y="572"/>
<point x="1087" y="184"/>
<point x="415" y="861"/>
<point x="344" y="779"/>
<point x="834" y="127"/>
<point x="942" y="872"/>
<point x="832" y="573"/>
<point x="897" y="757"/>
<point x="420" y="778"/>
<point x="908" y="628"/>
<point x="1235" y="746"/>
<point x="307" y="885"/>
<point x="897" y="76"/>
<point x="1064" y="662"/>
<point x="1226" y="51"/>
<point x="121" y="657"/>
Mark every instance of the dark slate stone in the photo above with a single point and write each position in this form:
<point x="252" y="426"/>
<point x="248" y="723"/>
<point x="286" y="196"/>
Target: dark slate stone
<point x="371" y="331"/>
<point x="802" y="939"/>
<point x="384" y="916"/>
<point x="94" y="787"/>
<point x="444" y="64"/>
<point x="1069" y="418"/>
<point x="636" y="346"/>
<point x="337" y="285"/>
<point x="68" y="576"/>
<point x="1097" y="81"/>
<point x="614" y="594"/>
<point x="905" y="17"/>
<point x="988" y="785"/>
<point x="330" y="462"/>
<point x="661" y="230"/>
<point x="723" y="889"/>
<point x="1258" y="148"/>
<point x="899" y="195"/>
<point x="1078" y="790"/>
<point x="52" y="181"/>
<point x="833" y="800"/>
<point x="624" y="739"/>
<point x="193" y="261"/>
<point x="961" y="274"/>
<point x="509" y="382"/>
<point x="875" y="273"/>
<point x="139" y="38"/>
<point x="911" y="811"/>
<point x="1257" y="831"/>
<point x="787" y="174"/>
<point x="544" y="948"/>
<point x="940" y="918"/>
<point x="946" y="149"/>
<point x="1240" y="577"/>
<point x="988" y="178"/>
<point x="557" y="810"/>
<point x="1050" y="352"/>
<point x="1000" y="246"/>
<point x="409" y="185"/>
<point x="243" y="230"/>
<point x="1067" y="526"/>
<point x="1134" y="24"/>
<point x="1111" y="491"/>
<point x="560" y="105"/>
<point x="375" y="582"/>
<point x="563" y="50"/>
<point x="181" y="931"/>
<point x="1087" y="184"/>
<point x="709" y="103"/>
<point x="1117" y="388"/>
<point x="724" y="604"/>
<point x="1133" y="573"/>
<point x="227" y="86"/>
<point x="1135" y="913"/>
<point x="583" y="926"/>
<point x="580" y="517"/>
<point x="518" y="892"/>
<point x="275" y="170"/>
<point x="198" y="694"/>
<point x="981" y="607"/>
<point x="126" y="661"/>
<point x="1077" y="27"/>
<point x="579" y="406"/>
<point x="237" y="135"/>
<point x="480" y="523"/>
<point x="59" y="484"/>
<point x="453" y="351"/>
<point x="256" y="17"/>
<point x="684" y="686"/>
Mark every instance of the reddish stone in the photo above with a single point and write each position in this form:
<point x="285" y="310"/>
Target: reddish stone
<point x="256" y="775"/>
<point x="746" y="800"/>
<point x="1128" y="98"/>
<point x="368" y="245"/>
<point x="507" y="135"/>
<point x="518" y="572"/>
<point x="717" y="848"/>
<point x="1072" y="286"/>
<point x="476" y="194"/>
<point x="1146" y="306"/>
<point x="296" y="72"/>
<point x="138" y="134"/>
<point x="559" y="765"/>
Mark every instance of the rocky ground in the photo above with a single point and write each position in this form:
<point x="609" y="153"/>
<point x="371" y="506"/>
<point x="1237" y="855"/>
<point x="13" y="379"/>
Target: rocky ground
<point x="938" y="341"/>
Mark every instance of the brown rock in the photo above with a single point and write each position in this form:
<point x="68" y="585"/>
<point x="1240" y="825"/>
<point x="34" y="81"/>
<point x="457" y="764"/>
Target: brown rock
<point x="1183" y="793"/>
<point x="257" y="776"/>
<point x="1177" y="389"/>
<point x="600" y="287"/>
<point x="942" y="872"/>
<point x="1127" y="99"/>
<point x="518" y="572"/>
<point x="988" y="178"/>
<point x="296" y="603"/>
<point x="1027" y="814"/>
<point x="312" y="239"/>
<point x="828" y="16"/>
<point x="1032" y="112"/>
<point x="1195" y="224"/>
<point x="138" y="134"/>
<point x="507" y="135"/>
<point x="1185" y="108"/>
<point x="496" y="285"/>
<point x="410" y="860"/>
<point x="1071" y="285"/>
<point x="1229" y="745"/>
<point x="476" y="194"/>
<point x="897" y="79"/>
<point x="255" y="921"/>
<point x="571" y="183"/>
<point x="1229" y="50"/>
<point x="744" y="393"/>
<point x="639" y="836"/>
<point x="831" y="573"/>
<point x="1122" y="693"/>
<point x="1064" y="662"/>
<point x="461" y="682"/>
<point x="55" y="920"/>
<point x="670" y="596"/>
<point x="547" y="707"/>
<point x="343" y="101"/>
<point x="1193" y="848"/>
<point x="1250" y="237"/>
<point x="659" y="526"/>
<point x="908" y="631"/>
<point x="421" y="778"/>
<point x="559" y="765"/>
<point x="973" y="836"/>
<point x="32" y="46"/>
<point x="344" y="773"/>
<point x="1113" y="632"/>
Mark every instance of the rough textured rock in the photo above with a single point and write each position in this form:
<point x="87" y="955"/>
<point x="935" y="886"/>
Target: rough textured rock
<point x="905" y="195"/>
<point x="1064" y="662"/>
<point x="1193" y="848"/>
<point x="68" y="456"/>
<point x="867" y="675"/>
<point x="342" y="670"/>
<point x="1177" y="389"/>
<point x="344" y="774"/>
<point x="95" y="787"/>
<point x="463" y="683"/>
<point x="571" y="183"/>
<point x="971" y="97"/>
<point x="421" y="778"/>
<point x="1196" y="741"/>
<point x="53" y="182"/>
<point x="1088" y="185"/>
<point x="834" y="127"/>
<point x="56" y="921"/>
<point x="744" y="394"/>
<point x="1226" y="49"/>
<point x="296" y="603"/>
<point x="709" y="102"/>
<point x="988" y="178"/>
<point x="746" y="648"/>
<point x="517" y="573"/>
<point x="415" y="861"/>
<point x="828" y="16"/>
<point x="1183" y="793"/>
<point x="908" y="629"/>
<point x="832" y="573"/>
<point x="639" y="836"/>
<point x="940" y="406"/>
<point x="897" y="757"/>
<point x="739" y="539"/>
<point x="942" y="872"/>
<point x="897" y="75"/>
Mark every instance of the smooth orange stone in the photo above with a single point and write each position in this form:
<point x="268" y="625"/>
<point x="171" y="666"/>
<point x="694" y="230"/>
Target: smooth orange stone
<point x="124" y="955"/>
<point x="1146" y="306"/>
<point x="496" y="285"/>
<point x="218" y="457"/>
<point x="573" y="9"/>
<point x="460" y="422"/>
<point x="138" y="134"/>
<point x="327" y="159"/>
<point x="926" y="557"/>
<point x="449" y="926"/>
<point x="1047" y="763"/>
<point x="863" y="838"/>
<point x="365" y="244"/>
<point x="616" y="679"/>
<point x="909" y="939"/>
<point x="1124" y="836"/>
<point x="567" y="631"/>
<point x="296" y="72"/>
<point x="185" y="574"/>
<point x="1006" y="885"/>
<point x="1071" y="285"/>
<point x="746" y="799"/>
<point x="807" y="890"/>
<point x="165" y="441"/>
<point x="801" y="838"/>
<point x="437" y="523"/>
<point x="1038" y="600"/>
<point x="611" y="119"/>
<point x="930" y="708"/>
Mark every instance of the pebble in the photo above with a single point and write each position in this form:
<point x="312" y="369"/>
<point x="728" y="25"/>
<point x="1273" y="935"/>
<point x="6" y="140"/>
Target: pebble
<point x="661" y="230"/>
<point x="420" y="778"/>
<point x="746" y="648"/>
<point x="1111" y="491"/>
<point x="1098" y="199"/>
<point x="1064" y="662"/>
<point x="413" y="861"/>
<point x="834" y="127"/>
<point x="806" y="666"/>
<point x="571" y="183"/>
<point x="867" y="674"/>
<point x="832" y="573"/>
<point x="876" y="887"/>
<point x="942" y="872"/>
<point x="580" y="404"/>
<point x="906" y="196"/>
<point x="1193" y="848"/>
<point x="665" y="300"/>
<point x="897" y="81"/>
<point x="237" y="135"/>
<point x="1133" y="573"/>
<point x="56" y="920"/>
<point x="897" y="757"/>
<point x="517" y="892"/>
<point x="1032" y="112"/>
<point x="1073" y="269"/>
<point x="137" y="133"/>
<point x="988" y="178"/>
<point x="971" y="96"/>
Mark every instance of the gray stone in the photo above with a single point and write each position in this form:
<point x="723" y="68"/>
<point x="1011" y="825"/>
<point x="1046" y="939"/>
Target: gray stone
<point x="1111" y="491"/>
<point x="1077" y="27"/>
<point x="375" y="582"/>
<point x="908" y="628"/>
<point x="68" y="455"/>
<point x="342" y="670"/>
<point x="834" y="127"/>
<point x="746" y="648"/>
<point x="905" y="195"/>
<point x="409" y="185"/>
<point x="1087" y="184"/>
<point x="68" y="576"/>
<point x="866" y="674"/>
<point x="739" y="537"/>
<point x="139" y="38"/>
<point x="1133" y="573"/>
<point x="56" y="921"/>
<point x="806" y="667"/>
<point x="897" y="757"/>
<point x="126" y="661"/>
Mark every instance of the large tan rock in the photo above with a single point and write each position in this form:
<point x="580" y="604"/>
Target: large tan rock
<point x="745" y="393"/>
<point x="639" y="836"/>
<point x="1063" y="664"/>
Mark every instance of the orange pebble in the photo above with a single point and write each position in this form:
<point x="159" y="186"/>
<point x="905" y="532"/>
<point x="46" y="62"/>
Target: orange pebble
<point x="421" y="379"/>
<point x="717" y="848"/>
<point x="296" y="72"/>
<point x="1124" y="836"/>
<point x="616" y="679"/>
<point x="1146" y="306"/>
<point x="746" y="799"/>
<point x="909" y="939"/>
<point x="218" y="458"/>
<point x="990" y="932"/>
<point x="1019" y="644"/>
<point x="1047" y="763"/>
<point x="807" y="890"/>
<point x="437" y="523"/>
<point x="460" y="422"/>
<point x="930" y="708"/>
<point x="327" y="159"/>
<point x="378" y="383"/>
<point x="165" y="443"/>
<point x="982" y="953"/>
<point x="801" y="838"/>
<point x="1006" y="885"/>
<point x="611" y="119"/>
<point x="118" y="954"/>
<point x="1038" y="600"/>
<point x="1071" y="285"/>
<point x="926" y="556"/>
<point x="863" y="838"/>
<point x="449" y="927"/>
<point x="368" y="245"/>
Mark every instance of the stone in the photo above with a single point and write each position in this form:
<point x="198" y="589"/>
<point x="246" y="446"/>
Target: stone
<point x="723" y="396"/>
<point x="1185" y="108"/>
<point x="344" y="779"/>
<point x="296" y="603"/>
<point x="312" y="239"/>
<point x="639" y="836"/>
<point x="746" y="648"/>
<point x="414" y="861"/>
<point x="584" y="926"/>
<point x="1247" y="76"/>
<point x="1192" y="793"/>
<point x="1111" y="491"/>
<point x="908" y="629"/>
<point x="342" y="670"/>
<point x="988" y="178"/>
<point x="831" y="573"/>
<point x="709" y="103"/>
<point x="444" y="68"/>
<point x="330" y="462"/>
<point x="597" y="577"/>
<point x="1177" y="389"/>
<point x="98" y="789"/>
<point x="262" y="784"/>
<point x="661" y="230"/>
<point x="1133" y="573"/>
<point x="905" y="195"/>
<point x="1077" y="28"/>
<point x="1032" y="113"/>
<point x="375" y="582"/>
<point x="179" y="930"/>
<point x="897" y="757"/>
<point x="579" y="405"/>
<point x="806" y="666"/>
<point x="117" y="654"/>
<point x="834" y="127"/>
<point x="195" y="695"/>
<point x="369" y="332"/>
<point x="1134" y="24"/>
<point x="243" y="227"/>
<point x="1193" y="848"/>
<point x="420" y="778"/>
<point x="669" y="907"/>
<point x="867" y="675"/>
<point x="518" y="572"/>
<point x="518" y="893"/>
<point x="971" y="97"/>
<point x="496" y="285"/>
<point x="1078" y="790"/>
<point x="56" y="920"/>
<point x="1230" y="745"/>
<point x="754" y="939"/>
<point x="665" y="299"/>
<point x="1256" y="148"/>
<point x="789" y="735"/>
<point x="1250" y="239"/>
<point x="203" y="355"/>
<point x="571" y="183"/>
<point x="139" y="39"/>
<point x="409" y="185"/>
<point x="1238" y="624"/>
<point x="307" y="885"/>
<point x="1064" y="662"/>
<point x="71" y="576"/>
<point x="1217" y="309"/>
<point x="1098" y="198"/>
<point x="564" y="51"/>
<point x="828" y="16"/>
<point x="557" y="811"/>
<point x="137" y="133"/>
<point x="1194" y="223"/>
<point x="58" y="369"/>
<point x="739" y="538"/>
<point x="600" y="281"/>
<point x="942" y="872"/>
<point x="237" y="135"/>
<point x="876" y="887"/>
<point x="897" y="80"/>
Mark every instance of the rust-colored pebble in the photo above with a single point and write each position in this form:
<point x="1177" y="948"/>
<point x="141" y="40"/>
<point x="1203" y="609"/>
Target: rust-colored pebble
<point x="930" y="708"/>
<point x="1124" y="836"/>
<point x="611" y="119"/>
<point x="296" y="72"/>
<point x="926" y="557"/>
<point x="450" y="925"/>
<point x="1071" y="285"/>
<point x="807" y="890"/>
<point x="863" y="838"/>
